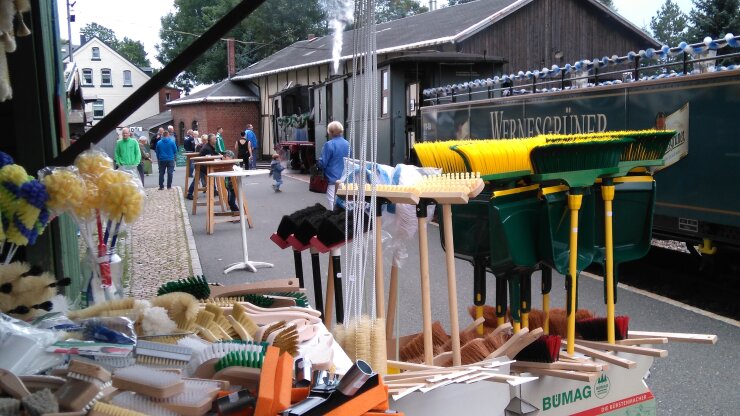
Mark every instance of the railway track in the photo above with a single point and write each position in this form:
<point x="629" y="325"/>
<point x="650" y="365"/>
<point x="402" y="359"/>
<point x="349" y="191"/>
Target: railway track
<point x="713" y="286"/>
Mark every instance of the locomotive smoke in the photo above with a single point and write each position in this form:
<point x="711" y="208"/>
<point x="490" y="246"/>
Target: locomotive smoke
<point x="340" y="14"/>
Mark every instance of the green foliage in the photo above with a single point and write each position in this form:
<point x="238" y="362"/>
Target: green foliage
<point x="387" y="10"/>
<point x="133" y="50"/>
<point x="714" y="18"/>
<point x="609" y="4"/>
<point x="456" y="2"/>
<point x="273" y="26"/>
<point x="669" y="25"/>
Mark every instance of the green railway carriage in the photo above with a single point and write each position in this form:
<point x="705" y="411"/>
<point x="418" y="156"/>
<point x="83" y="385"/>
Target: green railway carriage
<point x="698" y="190"/>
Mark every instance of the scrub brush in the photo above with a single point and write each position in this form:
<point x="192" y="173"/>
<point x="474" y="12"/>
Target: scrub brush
<point x="195" y="285"/>
<point x="545" y="349"/>
<point x="242" y="367"/>
<point x="10" y="406"/>
<point x="40" y="403"/>
<point x="140" y="404"/>
<point x="225" y="329"/>
<point x="105" y="409"/>
<point x="149" y="382"/>
<point x="242" y="323"/>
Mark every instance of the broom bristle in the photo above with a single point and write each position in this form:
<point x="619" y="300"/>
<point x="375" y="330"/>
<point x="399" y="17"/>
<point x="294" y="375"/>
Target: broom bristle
<point x="495" y="341"/>
<point x="545" y="349"/>
<point x="309" y="227"/>
<point x="474" y="351"/>
<point x="289" y="223"/>
<point x="595" y="329"/>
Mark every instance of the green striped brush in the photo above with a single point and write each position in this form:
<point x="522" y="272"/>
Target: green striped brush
<point x="250" y="359"/>
<point x="195" y="285"/>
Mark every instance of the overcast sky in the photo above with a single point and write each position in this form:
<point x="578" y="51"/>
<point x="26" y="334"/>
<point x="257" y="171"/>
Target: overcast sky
<point x="140" y="19"/>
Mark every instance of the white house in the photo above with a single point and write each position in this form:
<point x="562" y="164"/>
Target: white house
<point x="110" y="78"/>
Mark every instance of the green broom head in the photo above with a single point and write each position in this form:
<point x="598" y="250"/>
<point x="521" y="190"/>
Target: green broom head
<point x="195" y="285"/>
<point x="440" y="155"/>
<point x="252" y="358"/>
<point x="578" y="162"/>
<point x="262" y="301"/>
<point x="647" y="144"/>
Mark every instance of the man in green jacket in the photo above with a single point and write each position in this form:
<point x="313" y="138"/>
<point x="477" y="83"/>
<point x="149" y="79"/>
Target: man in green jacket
<point x="128" y="154"/>
<point x="220" y="146"/>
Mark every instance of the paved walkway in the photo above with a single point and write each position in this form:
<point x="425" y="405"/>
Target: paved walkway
<point x="160" y="249"/>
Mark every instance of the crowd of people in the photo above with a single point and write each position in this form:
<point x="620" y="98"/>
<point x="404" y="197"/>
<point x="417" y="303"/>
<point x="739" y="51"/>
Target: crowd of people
<point x="131" y="154"/>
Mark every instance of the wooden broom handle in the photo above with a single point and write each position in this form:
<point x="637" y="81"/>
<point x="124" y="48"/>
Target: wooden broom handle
<point x="426" y="297"/>
<point x="379" y="277"/>
<point x="451" y="283"/>
<point x="392" y="302"/>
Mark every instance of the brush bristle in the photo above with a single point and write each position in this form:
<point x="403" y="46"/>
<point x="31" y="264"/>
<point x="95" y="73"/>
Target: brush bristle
<point x="474" y="351"/>
<point x="545" y="349"/>
<point x="139" y="403"/>
<point x="105" y="409"/>
<point x="596" y="153"/>
<point x="40" y="402"/>
<point x="309" y="227"/>
<point x="595" y="329"/>
<point x="248" y="357"/>
<point x="10" y="406"/>
<point x="289" y="223"/>
<point x="195" y="285"/>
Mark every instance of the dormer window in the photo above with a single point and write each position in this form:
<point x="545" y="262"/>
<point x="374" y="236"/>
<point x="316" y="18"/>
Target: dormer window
<point x="105" y="78"/>
<point x="95" y="53"/>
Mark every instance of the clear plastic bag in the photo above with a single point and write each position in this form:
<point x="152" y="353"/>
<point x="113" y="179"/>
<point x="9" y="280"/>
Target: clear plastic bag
<point x="22" y="347"/>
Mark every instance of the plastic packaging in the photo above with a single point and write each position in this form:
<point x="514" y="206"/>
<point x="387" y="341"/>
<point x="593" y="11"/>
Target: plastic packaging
<point x="22" y="347"/>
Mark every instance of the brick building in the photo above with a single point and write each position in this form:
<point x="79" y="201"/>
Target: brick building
<point x="228" y="104"/>
<point x="166" y="95"/>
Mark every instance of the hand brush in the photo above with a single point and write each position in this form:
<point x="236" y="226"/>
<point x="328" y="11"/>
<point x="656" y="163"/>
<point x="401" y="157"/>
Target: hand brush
<point x="195" y="285"/>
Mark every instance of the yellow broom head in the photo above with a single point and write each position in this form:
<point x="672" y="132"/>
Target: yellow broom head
<point x="440" y="155"/>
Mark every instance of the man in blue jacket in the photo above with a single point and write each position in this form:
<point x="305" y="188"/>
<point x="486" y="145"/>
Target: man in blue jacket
<point x="166" y="151"/>
<point x="332" y="157"/>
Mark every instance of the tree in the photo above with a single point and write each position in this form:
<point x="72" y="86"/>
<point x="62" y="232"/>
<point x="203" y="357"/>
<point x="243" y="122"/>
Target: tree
<point x="387" y="10"/>
<point x="101" y="32"/>
<point x="133" y="50"/>
<point x="609" y="4"/>
<point x="714" y="18"/>
<point x="456" y="2"/>
<point x="669" y="25"/>
<point x="273" y="26"/>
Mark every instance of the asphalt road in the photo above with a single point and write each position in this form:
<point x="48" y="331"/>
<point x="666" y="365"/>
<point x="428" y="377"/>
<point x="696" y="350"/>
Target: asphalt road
<point x="693" y="380"/>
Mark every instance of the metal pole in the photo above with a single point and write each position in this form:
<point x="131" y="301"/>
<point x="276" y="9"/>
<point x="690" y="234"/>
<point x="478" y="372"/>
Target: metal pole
<point x="69" y="32"/>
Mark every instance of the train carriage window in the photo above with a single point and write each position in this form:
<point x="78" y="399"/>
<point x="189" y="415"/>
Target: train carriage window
<point x="385" y="93"/>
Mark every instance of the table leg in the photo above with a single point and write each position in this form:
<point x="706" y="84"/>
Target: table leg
<point x="245" y="264"/>
<point x="209" y="203"/>
<point x="196" y="189"/>
<point x="187" y="176"/>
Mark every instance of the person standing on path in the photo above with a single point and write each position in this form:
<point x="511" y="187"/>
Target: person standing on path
<point x="189" y="142"/>
<point x="166" y="151"/>
<point x="173" y="136"/>
<point x="276" y="171"/>
<point x="242" y="149"/>
<point x="128" y="154"/>
<point x="252" y="138"/>
<point x="207" y="149"/>
<point x="332" y="157"/>
<point x="220" y="146"/>
<point x="153" y="142"/>
<point x="144" y="156"/>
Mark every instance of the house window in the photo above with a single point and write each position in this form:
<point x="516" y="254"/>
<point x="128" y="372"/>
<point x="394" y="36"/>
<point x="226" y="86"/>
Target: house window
<point x="127" y="78"/>
<point x="385" y="93"/>
<point x="105" y="78"/>
<point x="167" y="97"/>
<point x="95" y="53"/>
<point x="87" y="77"/>
<point x="98" y="109"/>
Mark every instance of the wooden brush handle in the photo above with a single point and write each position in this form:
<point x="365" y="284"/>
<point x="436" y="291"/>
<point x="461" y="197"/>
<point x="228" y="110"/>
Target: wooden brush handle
<point x="562" y="365"/>
<point x="12" y="385"/>
<point x="603" y="356"/>
<point x="272" y="317"/>
<point x="426" y="297"/>
<point x="329" y="304"/>
<point x="277" y="285"/>
<point x="508" y="344"/>
<point x="474" y="325"/>
<point x="675" y="336"/>
<point x="256" y="309"/>
<point x="651" y="352"/>
<point x="565" y="374"/>
<point x="379" y="277"/>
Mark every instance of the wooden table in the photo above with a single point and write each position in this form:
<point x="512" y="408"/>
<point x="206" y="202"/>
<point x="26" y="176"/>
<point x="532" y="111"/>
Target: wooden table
<point x="196" y="176"/>
<point x="237" y="181"/>
<point x="211" y="183"/>
<point x="188" y="156"/>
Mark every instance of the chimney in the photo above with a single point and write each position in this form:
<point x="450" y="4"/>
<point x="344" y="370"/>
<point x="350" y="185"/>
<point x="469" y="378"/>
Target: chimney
<point x="230" y="58"/>
<point x="83" y="39"/>
<point x="310" y="37"/>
